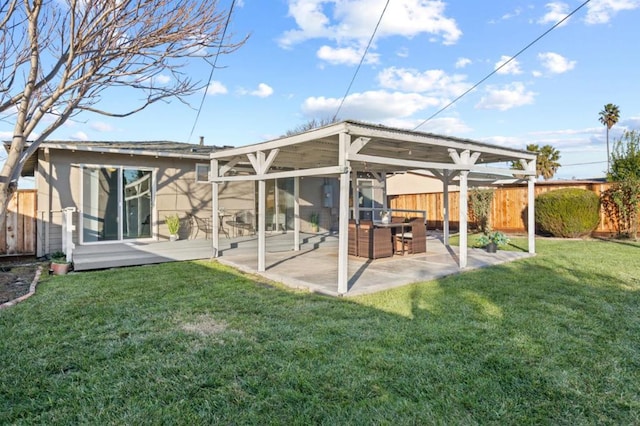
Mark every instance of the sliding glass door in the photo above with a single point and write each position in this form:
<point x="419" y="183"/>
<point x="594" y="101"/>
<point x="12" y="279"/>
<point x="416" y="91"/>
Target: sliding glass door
<point x="117" y="203"/>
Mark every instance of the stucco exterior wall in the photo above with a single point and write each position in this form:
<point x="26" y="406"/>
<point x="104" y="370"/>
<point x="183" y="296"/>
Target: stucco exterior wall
<point x="413" y="183"/>
<point x="59" y="179"/>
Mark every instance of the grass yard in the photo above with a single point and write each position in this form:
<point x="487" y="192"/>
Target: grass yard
<point x="553" y="339"/>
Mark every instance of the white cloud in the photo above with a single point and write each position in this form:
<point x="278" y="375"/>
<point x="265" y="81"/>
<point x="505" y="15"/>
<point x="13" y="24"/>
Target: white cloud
<point x="263" y="91"/>
<point x="452" y="126"/>
<point x="403" y="52"/>
<point x="350" y="23"/>
<point x="556" y="11"/>
<point x="373" y="106"/>
<point x="80" y="136"/>
<point x="346" y="55"/>
<point x="6" y="136"/>
<point x="463" y="62"/>
<point x="216" y="88"/>
<point x="601" y="11"/>
<point x="512" y="67"/>
<point x="161" y="79"/>
<point x="555" y="63"/>
<point x="434" y="82"/>
<point x="506" y="97"/>
<point x="100" y="126"/>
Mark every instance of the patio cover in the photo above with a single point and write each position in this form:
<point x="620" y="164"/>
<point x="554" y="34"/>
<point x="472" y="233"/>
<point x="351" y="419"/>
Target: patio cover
<point x="343" y="149"/>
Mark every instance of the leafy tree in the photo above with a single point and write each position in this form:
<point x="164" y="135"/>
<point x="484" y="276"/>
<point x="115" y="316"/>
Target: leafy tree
<point x="58" y="57"/>
<point x="622" y="200"/>
<point x="546" y="163"/>
<point x="609" y="116"/>
<point x="625" y="158"/>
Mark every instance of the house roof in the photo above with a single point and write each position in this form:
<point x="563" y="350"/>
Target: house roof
<point x="149" y="148"/>
<point x="373" y="148"/>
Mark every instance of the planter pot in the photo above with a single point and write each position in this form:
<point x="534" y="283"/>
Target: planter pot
<point x="60" y="268"/>
<point x="491" y="247"/>
<point x="173" y="237"/>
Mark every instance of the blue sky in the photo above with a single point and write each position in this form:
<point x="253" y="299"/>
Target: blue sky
<point x="302" y="55"/>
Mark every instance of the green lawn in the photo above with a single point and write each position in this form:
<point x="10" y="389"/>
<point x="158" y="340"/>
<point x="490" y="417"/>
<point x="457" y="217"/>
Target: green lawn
<point x="553" y="339"/>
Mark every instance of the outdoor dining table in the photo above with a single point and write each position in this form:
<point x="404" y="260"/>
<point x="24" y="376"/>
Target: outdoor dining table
<point x="395" y="227"/>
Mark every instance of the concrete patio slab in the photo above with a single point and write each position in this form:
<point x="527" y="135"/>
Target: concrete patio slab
<point x="315" y="268"/>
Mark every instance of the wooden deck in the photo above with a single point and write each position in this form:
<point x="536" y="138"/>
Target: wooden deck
<point x="103" y="256"/>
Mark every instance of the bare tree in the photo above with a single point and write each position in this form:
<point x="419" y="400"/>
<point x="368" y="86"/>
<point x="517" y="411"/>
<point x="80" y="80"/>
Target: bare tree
<point x="57" y="57"/>
<point x="310" y="125"/>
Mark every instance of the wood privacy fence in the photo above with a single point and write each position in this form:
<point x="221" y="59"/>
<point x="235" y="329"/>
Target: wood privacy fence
<point x="19" y="234"/>
<point x="508" y="209"/>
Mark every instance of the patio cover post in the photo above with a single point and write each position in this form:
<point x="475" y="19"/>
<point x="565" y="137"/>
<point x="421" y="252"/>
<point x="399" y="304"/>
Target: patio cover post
<point x="531" y="214"/>
<point x="296" y="213"/>
<point x="463" y="218"/>
<point x="445" y="203"/>
<point x="215" y="218"/>
<point x="262" y="186"/>
<point x="343" y="221"/>
<point x="355" y="198"/>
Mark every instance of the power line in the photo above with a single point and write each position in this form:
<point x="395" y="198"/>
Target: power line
<point x="504" y="64"/>
<point x="213" y="67"/>
<point x="361" y="61"/>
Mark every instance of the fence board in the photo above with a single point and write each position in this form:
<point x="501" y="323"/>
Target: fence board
<point x="19" y="234"/>
<point x="508" y="209"/>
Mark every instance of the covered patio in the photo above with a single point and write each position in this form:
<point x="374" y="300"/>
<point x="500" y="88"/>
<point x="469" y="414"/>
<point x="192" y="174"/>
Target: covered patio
<point x="343" y="150"/>
<point x="313" y="267"/>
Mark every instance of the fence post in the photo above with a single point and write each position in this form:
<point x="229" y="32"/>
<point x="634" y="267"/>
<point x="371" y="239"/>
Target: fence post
<point x="67" y="232"/>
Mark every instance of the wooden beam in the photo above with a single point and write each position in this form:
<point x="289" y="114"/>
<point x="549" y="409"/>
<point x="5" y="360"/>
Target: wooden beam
<point x="327" y="171"/>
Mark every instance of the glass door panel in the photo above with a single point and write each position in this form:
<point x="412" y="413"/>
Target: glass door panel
<point x="100" y="204"/>
<point x="136" y="206"/>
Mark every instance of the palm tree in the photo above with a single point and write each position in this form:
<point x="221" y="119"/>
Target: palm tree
<point x="609" y="116"/>
<point x="546" y="163"/>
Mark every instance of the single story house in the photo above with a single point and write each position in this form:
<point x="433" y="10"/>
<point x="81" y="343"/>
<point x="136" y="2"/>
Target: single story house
<point x="124" y="191"/>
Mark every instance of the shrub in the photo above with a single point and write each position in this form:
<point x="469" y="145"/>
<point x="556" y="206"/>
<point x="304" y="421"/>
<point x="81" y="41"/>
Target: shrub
<point x="569" y="212"/>
<point x="480" y="206"/>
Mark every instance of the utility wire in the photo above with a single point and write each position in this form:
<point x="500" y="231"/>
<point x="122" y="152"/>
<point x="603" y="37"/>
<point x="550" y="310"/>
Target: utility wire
<point x="213" y="67"/>
<point x="361" y="61"/>
<point x="504" y="64"/>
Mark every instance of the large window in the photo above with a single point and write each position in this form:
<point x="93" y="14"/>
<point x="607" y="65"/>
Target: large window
<point x="117" y="203"/>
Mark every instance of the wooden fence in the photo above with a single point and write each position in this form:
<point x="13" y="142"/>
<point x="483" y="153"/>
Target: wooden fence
<point x="19" y="234"/>
<point x="508" y="209"/>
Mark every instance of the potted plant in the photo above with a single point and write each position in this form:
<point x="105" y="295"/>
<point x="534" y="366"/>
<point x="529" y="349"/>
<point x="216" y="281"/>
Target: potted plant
<point x="492" y="240"/>
<point x="314" y="220"/>
<point x="59" y="263"/>
<point x="385" y="216"/>
<point x="173" y="225"/>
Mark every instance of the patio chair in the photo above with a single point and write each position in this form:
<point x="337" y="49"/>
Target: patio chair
<point x="414" y="241"/>
<point x="373" y="242"/>
<point x="243" y="221"/>
<point x="353" y="238"/>
<point x="199" y="224"/>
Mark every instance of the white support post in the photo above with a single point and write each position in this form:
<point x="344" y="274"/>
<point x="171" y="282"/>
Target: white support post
<point x="67" y="232"/>
<point x="445" y="207"/>
<point x="463" y="218"/>
<point x="356" y="199"/>
<point x="261" y="224"/>
<point x="531" y="214"/>
<point x="215" y="207"/>
<point x="296" y="214"/>
<point x="343" y="221"/>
